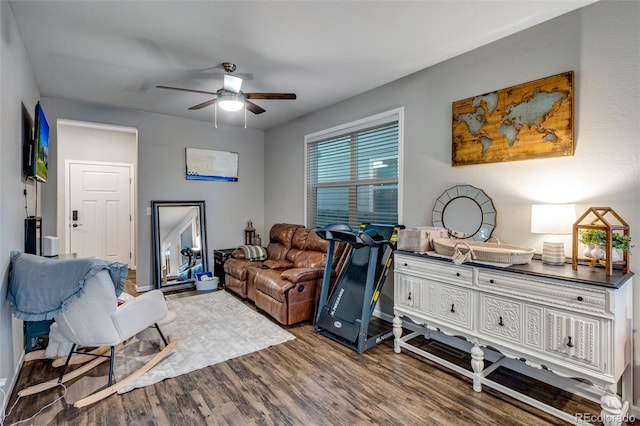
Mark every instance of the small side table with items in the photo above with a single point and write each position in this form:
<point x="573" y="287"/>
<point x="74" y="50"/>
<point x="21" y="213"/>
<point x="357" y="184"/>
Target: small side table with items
<point x="34" y="331"/>
<point x="219" y="257"/>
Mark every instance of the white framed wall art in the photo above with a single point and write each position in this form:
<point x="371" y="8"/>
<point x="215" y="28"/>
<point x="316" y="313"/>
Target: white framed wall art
<point x="207" y="164"/>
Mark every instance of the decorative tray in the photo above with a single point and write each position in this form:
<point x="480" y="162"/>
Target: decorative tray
<point x="483" y="251"/>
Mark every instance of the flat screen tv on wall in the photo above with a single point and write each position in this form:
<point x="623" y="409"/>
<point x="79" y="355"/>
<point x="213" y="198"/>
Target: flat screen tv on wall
<point x="36" y="154"/>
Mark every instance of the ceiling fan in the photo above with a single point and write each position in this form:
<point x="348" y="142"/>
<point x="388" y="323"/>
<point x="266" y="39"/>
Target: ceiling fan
<point x="230" y="97"/>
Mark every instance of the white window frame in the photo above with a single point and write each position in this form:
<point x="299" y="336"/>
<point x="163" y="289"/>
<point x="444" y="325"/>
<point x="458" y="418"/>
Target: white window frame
<point x="364" y="123"/>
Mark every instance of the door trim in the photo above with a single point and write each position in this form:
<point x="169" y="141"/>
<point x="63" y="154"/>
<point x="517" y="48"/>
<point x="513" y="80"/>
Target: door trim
<point x="67" y="206"/>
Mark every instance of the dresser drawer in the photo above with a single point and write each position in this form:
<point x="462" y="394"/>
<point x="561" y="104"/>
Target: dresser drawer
<point x="455" y="306"/>
<point x="501" y="317"/>
<point x="583" y="299"/>
<point x="415" y="294"/>
<point x="436" y="271"/>
<point x="581" y="339"/>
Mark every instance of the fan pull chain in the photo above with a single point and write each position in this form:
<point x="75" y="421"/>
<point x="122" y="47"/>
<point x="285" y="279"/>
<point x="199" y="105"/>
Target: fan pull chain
<point x="215" y="115"/>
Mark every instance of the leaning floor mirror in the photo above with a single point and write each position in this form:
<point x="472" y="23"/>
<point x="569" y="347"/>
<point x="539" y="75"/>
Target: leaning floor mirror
<point x="179" y="243"/>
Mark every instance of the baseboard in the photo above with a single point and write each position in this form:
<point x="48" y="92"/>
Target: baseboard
<point x="379" y="314"/>
<point x="12" y="384"/>
<point x="142" y="289"/>
<point x="634" y="411"/>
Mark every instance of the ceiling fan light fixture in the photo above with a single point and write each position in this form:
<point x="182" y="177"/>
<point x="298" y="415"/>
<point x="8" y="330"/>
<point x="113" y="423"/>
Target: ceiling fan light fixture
<point x="230" y="101"/>
<point x="230" y="98"/>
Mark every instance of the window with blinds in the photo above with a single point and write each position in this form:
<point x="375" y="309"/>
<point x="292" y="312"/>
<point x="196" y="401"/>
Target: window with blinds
<point x="353" y="173"/>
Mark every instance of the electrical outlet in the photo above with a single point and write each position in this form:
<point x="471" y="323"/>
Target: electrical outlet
<point x="3" y="382"/>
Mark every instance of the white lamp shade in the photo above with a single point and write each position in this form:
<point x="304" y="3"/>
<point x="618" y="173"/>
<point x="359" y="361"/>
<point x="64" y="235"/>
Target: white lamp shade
<point x="552" y="219"/>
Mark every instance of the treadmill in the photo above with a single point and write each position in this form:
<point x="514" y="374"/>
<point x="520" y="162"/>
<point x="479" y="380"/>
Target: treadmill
<point x="345" y="314"/>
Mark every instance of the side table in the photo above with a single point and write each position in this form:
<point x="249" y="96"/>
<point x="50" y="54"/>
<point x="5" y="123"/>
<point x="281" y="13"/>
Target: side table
<point x="33" y="330"/>
<point x="219" y="257"/>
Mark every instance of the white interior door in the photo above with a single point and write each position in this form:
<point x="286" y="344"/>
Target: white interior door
<point x="99" y="212"/>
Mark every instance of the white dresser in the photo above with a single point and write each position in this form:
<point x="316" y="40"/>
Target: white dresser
<point x="576" y="324"/>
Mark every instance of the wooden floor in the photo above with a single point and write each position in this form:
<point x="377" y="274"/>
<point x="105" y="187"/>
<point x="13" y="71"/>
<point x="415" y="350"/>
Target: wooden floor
<point x="307" y="381"/>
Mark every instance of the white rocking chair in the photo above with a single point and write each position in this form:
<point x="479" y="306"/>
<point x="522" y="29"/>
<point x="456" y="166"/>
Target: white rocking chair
<point x="96" y="320"/>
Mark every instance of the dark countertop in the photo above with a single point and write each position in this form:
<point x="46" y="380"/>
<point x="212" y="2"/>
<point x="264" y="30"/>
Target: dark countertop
<point x="583" y="275"/>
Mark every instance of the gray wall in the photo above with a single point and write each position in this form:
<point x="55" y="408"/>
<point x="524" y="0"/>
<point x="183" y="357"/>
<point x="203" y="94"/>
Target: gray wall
<point x="17" y="86"/>
<point x="161" y="173"/>
<point x="601" y="43"/>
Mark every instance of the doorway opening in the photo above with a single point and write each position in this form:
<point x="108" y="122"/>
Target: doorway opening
<point x="97" y="200"/>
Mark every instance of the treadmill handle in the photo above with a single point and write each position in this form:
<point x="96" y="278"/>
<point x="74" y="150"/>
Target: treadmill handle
<point x="368" y="241"/>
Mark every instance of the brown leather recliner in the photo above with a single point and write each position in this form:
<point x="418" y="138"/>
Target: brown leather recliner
<point x="235" y="269"/>
<point x="289" y="293"/>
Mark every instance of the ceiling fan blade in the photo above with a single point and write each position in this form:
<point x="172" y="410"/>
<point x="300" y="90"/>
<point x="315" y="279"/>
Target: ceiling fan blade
<point x="203" y="105"/>
<point x="270" y="95"/>
<point x="186" y="90"/>
<point x="232" y="83"/>
<point x="254" y="108"/>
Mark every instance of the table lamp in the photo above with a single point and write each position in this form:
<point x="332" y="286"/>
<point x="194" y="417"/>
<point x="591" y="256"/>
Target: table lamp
<point x="553" y="220"/>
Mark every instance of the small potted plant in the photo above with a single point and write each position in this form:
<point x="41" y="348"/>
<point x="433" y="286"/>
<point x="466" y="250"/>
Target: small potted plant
<point x="595" y="240"/>
<point x="620" y="243"/>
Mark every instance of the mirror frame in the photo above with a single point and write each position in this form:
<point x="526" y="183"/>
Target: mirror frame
<point x="483" y="201"/>
<point x="155" y="227"/>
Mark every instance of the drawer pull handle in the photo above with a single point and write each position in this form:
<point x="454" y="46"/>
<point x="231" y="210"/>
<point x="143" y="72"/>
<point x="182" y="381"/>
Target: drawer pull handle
<point x="409" y="298"/>
<point x="580" y="298"/>
<point x="491" y="281"/>
<point x="453" y="308"/>
<point x="569" y="343"/>
<point x="457" y="274"/>
<point x="406" y="265"/>
<point x="501" y="323"/>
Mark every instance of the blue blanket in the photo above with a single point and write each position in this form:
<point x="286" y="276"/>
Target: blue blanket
<point x="41" y="288"/>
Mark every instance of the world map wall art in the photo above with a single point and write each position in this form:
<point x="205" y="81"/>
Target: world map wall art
<point x="528" y="121"/>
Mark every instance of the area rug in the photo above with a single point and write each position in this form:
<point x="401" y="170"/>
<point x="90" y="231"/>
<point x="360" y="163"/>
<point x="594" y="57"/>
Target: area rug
<point x="211" y="328"/>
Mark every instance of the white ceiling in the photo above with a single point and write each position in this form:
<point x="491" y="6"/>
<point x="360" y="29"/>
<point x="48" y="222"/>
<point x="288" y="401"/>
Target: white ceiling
<point x="115" y="52"/>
